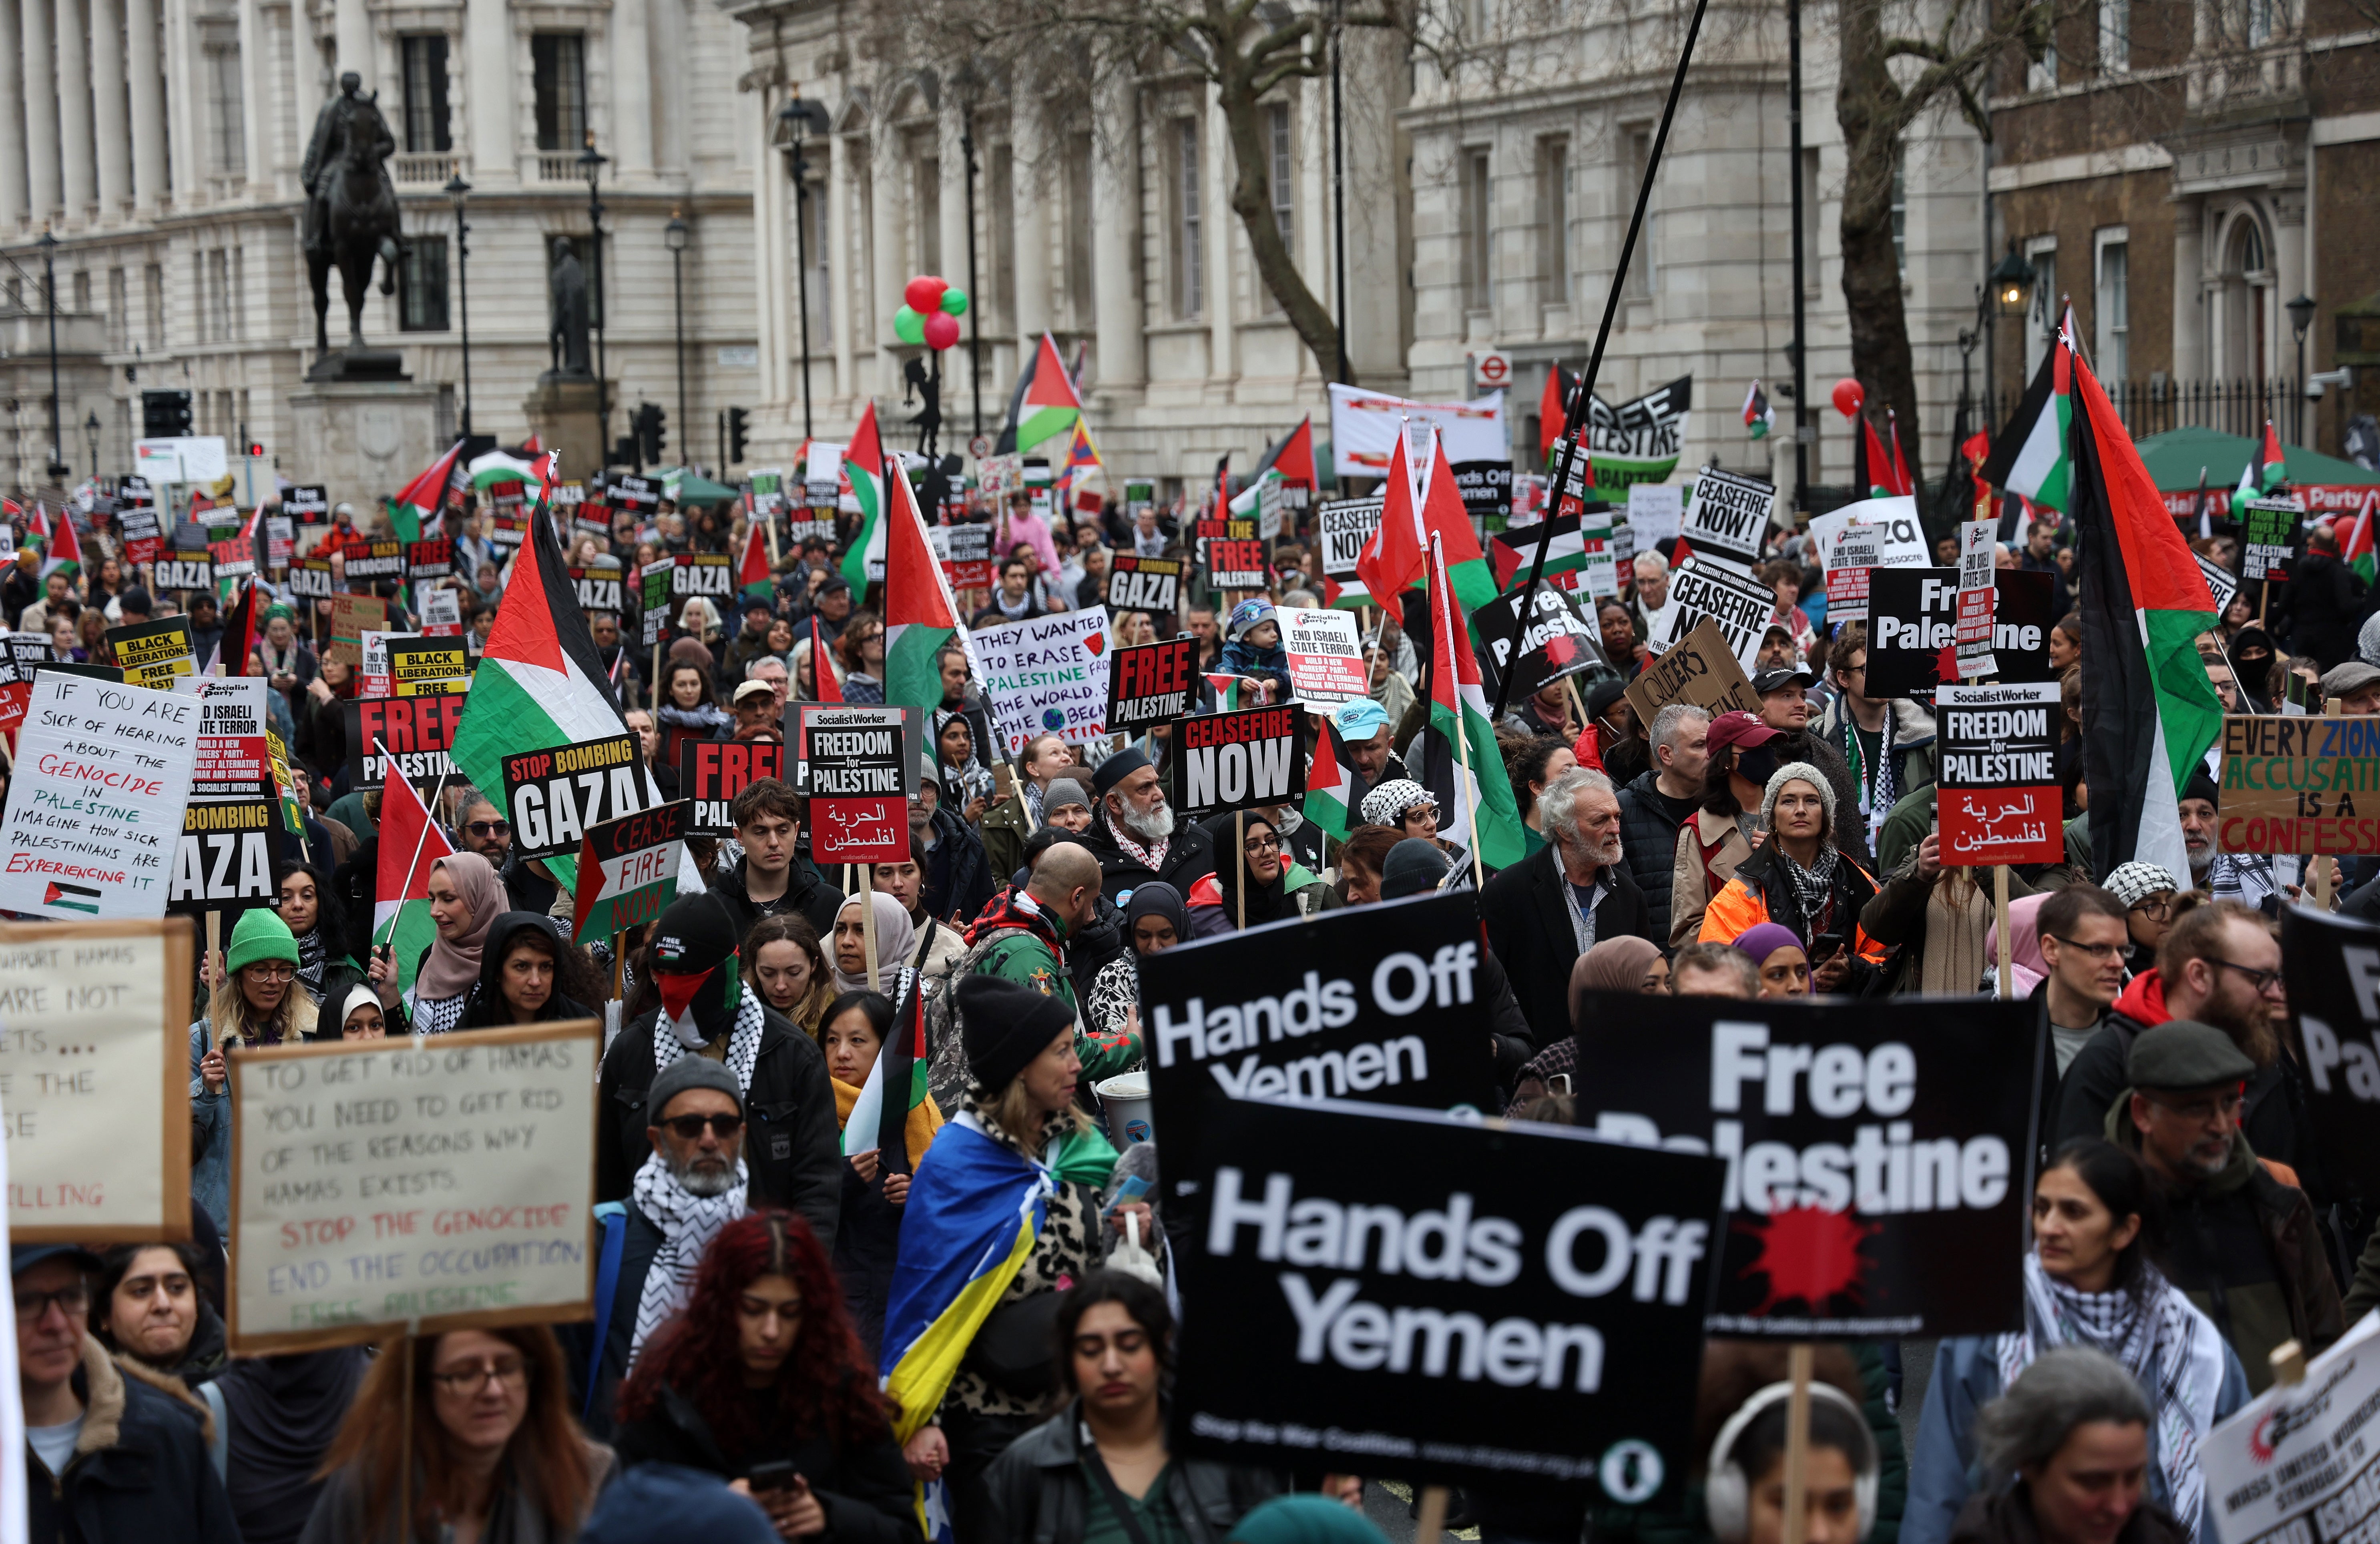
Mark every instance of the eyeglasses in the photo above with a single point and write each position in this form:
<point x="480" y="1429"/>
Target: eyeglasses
<point x="282" y="971"/>
<point x="2095" y="951"/>
<point x="2157" y="909"/>
<point x="511" y="1372"/>
<point x="688" y="1128"/>
<point x="35" y="1307"/>
<point x="1258" y="844"/>
<point x="2264" y="981"/>
<point x="489" y="829"/>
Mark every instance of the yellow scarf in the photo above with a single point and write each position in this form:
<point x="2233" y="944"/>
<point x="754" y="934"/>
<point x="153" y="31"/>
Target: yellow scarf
<point x="924" y="1121"/>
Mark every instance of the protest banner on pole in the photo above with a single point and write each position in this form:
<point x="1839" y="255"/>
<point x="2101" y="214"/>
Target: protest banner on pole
<point x="380" y="1186"/>
<point x="370" y="564"/>
<point x="2297" y="783"/>
<point x="1238" y="761"/>
<point x="1877" y="1177"/>
<point x="1999" y="801"/>
<point x="102" y="772"/>
<point x="1344" y="525"/>
<point x="1351" y="1298"/>
<point x="1913" y="630"/>
<point x="598" y="589"/>
<point x="1856" y="551"/>
<point x="2268" y="537"/>
<point x="1739" y="604"/>
<point x="1046" y="675"/>
<point x="420" y="666"/>
<point x="94" y="1062"/>
<point x="352" y="616"/>
<point x="1727" y="516"/>
<point x="417" y="734"/>
<point x="1977" y="592"/>
<point x="1326" y="661"/>
<point x="628" y="871"/>
<point x="710" y="574"/>
<point x="711" y="773"/>
<point x="153" y="653"/>
<point x="2331" y="965"/>
<point x="2298" y="1464"/>
<point x="653" y="582"/>
<point x="557" y="794"/>
<point x="1558" y="641"/>
<point x="861" y="776"/>
<point x="1137" y="583"/>
<point x="1151" y="683"/>
<point x="1698" y="669"/>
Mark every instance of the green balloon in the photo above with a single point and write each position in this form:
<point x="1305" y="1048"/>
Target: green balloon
<point x="954" y="301"/>
<point x="908" y="325"/>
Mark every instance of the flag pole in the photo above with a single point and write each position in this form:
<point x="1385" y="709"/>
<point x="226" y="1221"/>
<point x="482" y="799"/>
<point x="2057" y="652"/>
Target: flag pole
<point x="1439" y="647"/>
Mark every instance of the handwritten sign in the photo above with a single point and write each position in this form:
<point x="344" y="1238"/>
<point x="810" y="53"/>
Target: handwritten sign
<point x="2299" y="784"/>
<point x="1326" y="662"/>
<point x="628" y="871"/>
<point x="1999" y="801"/>
<point x="94" y="1051"/>
<point x="103" y="774"/>
<point x="351" y="617"/>
<point x="1699" y="670"/>
<point x="1973" y="630"/>
<point x="1046" y="675"/>
<point x="381" y="1184"/>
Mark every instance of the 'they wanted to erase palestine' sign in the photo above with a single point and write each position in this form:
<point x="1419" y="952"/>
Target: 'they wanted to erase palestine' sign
<point x="378" y="1184"/>
<point x="1999" y="800"/>
<point x="102" y="772"/>
<point x="94" y="1056"/>
<point x="1048" y="675"/>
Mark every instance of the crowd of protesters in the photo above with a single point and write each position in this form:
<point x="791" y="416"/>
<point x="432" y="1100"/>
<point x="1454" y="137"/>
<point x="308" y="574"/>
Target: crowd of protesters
<point x="2182" y="1227"/>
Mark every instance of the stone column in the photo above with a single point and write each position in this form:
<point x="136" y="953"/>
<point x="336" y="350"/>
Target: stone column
<point x="186" y="131"/>
<point x="146" y="90"/>
<point x="81" y="187"/>
<point x="109" y="107"/>
<point x="887" y="181"/>
<point x="632" y="91"/>
<point x="2191" y="318"/>
<point x="843" y="249"/>
<point x="771" y="240"/>
<point x="488" y="49"/>
<point x="256" y="84"/>
<point x="1115" y="202"/>
<point x="952" y="166"/>
<point x="12" y="124"/>
<point x="1030" y="171"/>
<point x="352" y="27"/>
<point x="1223" y="243"/>
<point x="41" y="108"/>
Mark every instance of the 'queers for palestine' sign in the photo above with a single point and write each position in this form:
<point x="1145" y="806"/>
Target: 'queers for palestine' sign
<point x="1363" y="1291"/>
<point x="1877" y="1180"/>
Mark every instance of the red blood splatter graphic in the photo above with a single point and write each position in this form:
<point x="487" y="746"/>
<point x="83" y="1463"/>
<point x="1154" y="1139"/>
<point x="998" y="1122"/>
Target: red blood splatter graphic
<point x="1810" y="1254"/>
<point x="1560" y="650"/>
<point x="1946" y="665"/>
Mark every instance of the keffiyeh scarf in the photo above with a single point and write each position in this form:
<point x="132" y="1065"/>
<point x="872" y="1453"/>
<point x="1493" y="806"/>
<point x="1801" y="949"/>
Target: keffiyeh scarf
<point x="688" y="1224"/>
<point x="1813" y="886"/>
<point x="743" y="1041"/>
<point x="311" y="957"/>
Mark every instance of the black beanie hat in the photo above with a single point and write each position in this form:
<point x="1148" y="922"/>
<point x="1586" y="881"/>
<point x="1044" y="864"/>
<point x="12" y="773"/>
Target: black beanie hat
<point x="1003" y="1025"/>
<point x="1412" y="866"/>
<point x="2201" y="785"/>
<point x="693" y="934"/>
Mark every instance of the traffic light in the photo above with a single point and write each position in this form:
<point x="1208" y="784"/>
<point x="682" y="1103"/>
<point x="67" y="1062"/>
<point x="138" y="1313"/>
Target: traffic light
<point x="624" y="452"/>
<point x="737" y="427"/>
<point x="164" y="415"/>
<point x="651" y="426"/>
<point x="256" y="449"/>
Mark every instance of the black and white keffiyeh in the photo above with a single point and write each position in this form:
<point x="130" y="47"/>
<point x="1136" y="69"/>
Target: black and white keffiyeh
<point x="1813" y="886"/>
<point x="435" y="1015"/>
<point x="688" y="1224"/>
<point x="743" y="1041"/>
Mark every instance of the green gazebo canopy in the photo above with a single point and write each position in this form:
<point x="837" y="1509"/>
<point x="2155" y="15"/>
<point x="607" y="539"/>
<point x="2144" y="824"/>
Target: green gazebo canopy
<point x="2175" y="457"/>
<point x="692" y="487"/>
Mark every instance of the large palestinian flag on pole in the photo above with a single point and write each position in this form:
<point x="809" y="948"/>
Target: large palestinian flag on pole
<point x="1396" y="557"/>
<point x="2029" y="454"/>
<point x="918" y="615"/>
<point x="863" y="465"/>
<point x="418" y="505"/>
<point x="1045" y="405"/>
<point x="1460" y="743"/>
<point x="2149" y="712"/>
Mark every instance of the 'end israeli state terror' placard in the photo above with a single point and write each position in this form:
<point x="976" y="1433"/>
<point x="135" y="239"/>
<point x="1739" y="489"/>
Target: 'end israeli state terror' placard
<point x="1151" y="683"/>
<point x="1239" y="761"/>
<point x="1877" y="1178"/>
<point x="1362" y="1293"/>
<point x="1999" y="800"/>
<point x="557" y="794"/>
<point x="1729" y="515"/>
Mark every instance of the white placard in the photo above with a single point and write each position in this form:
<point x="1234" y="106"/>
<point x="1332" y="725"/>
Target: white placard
<point x="1742" y="607"/>
<point x="1326" y="661"/>
<point x="376" y="1183"/>
<point x="199" y="458"/>
<point x="1973" y="628"/>
<point x="1657" y="511"/>
<point x="440" y="607"/>
<point x="1364" y="427"/>
<point x="102" y="772"/>
<point x="1904" y="537"/>
<point x="1048" y="675"/>
<point x="2297" y="1463"/>
<point x="1857" y="551"/>
<point x="1729" y="516"/>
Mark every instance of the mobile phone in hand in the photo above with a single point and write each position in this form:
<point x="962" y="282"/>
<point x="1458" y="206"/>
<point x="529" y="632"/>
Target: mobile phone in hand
<point x="775" y="1475"/>
<point x="1824" y="946"/>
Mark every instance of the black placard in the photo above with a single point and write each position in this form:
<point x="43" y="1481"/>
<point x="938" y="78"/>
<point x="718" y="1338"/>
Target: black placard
<point x="429" y="560"/>
<point x="1879" y="1165"/>
<point x="554" y="797"/>
<point x="1561" y="639"/>
<point x="311" y="579"/>
<point x="2332" y="966"/>
<point x="1137" y="583"/>
<point x="1486" y="486"/>
<point x="1239" y="761"/>
<point x="225" y="860"/>
<point x="852" y="752"/>
<point x="704" y="573"/>
<point x="598" y="589"/>
<point x="2269" y="534"/>
<point x="307" y="503"/>
<point x="711" y="773"/>
<point x="1910" y="615"/>
<point x="641" y="495"/>
<point x="1151" y="683"/>
<point x="419" y="733"/>
<point x="233" y="557"/>
<point x="368" y="566"/>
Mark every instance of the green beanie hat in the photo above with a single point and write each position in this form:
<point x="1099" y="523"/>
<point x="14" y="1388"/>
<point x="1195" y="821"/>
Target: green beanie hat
<point x="261" y="935"/>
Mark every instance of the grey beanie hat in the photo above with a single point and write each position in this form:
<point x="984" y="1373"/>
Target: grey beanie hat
<point x="688" y="1071"/>
<point x="1795" y="771"/>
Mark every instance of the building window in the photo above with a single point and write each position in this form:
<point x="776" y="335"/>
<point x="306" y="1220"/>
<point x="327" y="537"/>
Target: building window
<point x="422" y="285"/>
<point x="1553" y="219"/>
<point x="1284" y="179"/>
<point x="226" y="120"/>
<point x="2043" y="76"/>
<point x="929" y="205"/>
<point x="152" y="302"/>
<point x="1478" y="203"/>
<point x="583" y="248"/>
<point x="2041" y="326"/>
<point x="2260" y="22"/>
<point x="2111" y="304"/>
<point x="219" y="293"/>
<point x="1641" y="279"/>
<point x="2114" y="36"/>
<point x="427" y="124"/>
<point x="119" y="320"/>
<point x="558" y="63"/>
<point x="1899" y="211"/>
<point x="82" y="292"/>
<point x="1190" y="260"/>
<point x="813" y="209"/>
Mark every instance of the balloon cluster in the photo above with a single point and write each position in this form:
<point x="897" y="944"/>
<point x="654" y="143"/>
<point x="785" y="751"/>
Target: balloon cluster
<point x="931" y="313"/>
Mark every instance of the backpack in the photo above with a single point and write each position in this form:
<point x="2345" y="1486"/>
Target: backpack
<point x="947" y="1076"/>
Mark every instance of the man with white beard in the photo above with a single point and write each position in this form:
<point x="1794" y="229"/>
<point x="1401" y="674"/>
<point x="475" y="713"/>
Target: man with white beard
<point x="1546" y="910"/>
<point x="1135" y="836"/>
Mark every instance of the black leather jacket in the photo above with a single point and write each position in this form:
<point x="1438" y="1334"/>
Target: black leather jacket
<point x="1037" y="1493"/>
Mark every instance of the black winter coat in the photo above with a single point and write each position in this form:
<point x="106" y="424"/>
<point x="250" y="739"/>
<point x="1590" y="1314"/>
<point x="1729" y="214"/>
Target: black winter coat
<point x="864" y="1488"/>
<point x="486" y="1007"/>
<point x="1648" y="846"/>
<point x="1189" y="858"/>
<point x="1528" y="928"/>
<point x="793" y="1142"/>
<point x="139" y="1471"/>
<point x="806" y="895"/>
<point x="1038" y="1493"/>
<point x="956" y="881"/>
<point x="2326" y="602"/>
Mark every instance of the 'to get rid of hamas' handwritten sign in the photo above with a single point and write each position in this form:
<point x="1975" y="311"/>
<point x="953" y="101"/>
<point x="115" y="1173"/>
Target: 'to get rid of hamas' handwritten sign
<point x="379" y="1183"/>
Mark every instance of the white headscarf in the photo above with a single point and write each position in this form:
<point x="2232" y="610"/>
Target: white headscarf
<point x="895" y="937"/>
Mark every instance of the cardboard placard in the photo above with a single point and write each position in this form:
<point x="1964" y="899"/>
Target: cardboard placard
<point x="1700" y="591"/>
<point x="425" y="666"/>
<point x="1912" y="630"/>
<point x="429" y="560"/>
<point x="1351" y="1287"/>
<point x="2295" y="1465"/>
<point x="1238" y="761"/>
<point x="552" y="796"/>
<point x="94" y="1058"/>
<point x="711" y="574"/>
<point x="2268" y="537"/>
<point x="313" y="579"/>
<point x="1999" y="800"/>
<point x="1558" y="640"/>
<point x="628" y="871"/>
<point x="351" y="617"/>
<point x="1698" y="669"/>
<point x="2300" y="784"/>
<point x="383" y="1184"/>
<point x="102" y="772"/>
<point x="1137" y="583"/>
<point x="1727" y="516"/>
<point x="711" y="773"/>
<point x="369" y="565"/>
<point x="1326" y="659"/>
<point x="1344" y="525"/>
<point x="2330" y="965"/>
<point x="598" y="589"/>
<point x="417" y="732"/>
<point x="1152" y="683"/>
<point x="1045" y="675"/>
<point x="1877" y="1178"/>
<point x="153" y="653"/>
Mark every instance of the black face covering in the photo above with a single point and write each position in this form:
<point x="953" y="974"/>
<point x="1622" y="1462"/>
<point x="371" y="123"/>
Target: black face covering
<point x="1757" y="763"/>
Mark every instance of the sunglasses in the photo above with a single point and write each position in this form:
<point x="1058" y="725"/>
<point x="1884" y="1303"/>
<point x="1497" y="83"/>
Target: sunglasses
<point x="490" y="827"/>
<point x="688" y="1128"/>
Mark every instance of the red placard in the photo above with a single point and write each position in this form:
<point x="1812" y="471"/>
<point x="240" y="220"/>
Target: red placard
<point x="2001" y="824"/>
<point x="860" y="830"/>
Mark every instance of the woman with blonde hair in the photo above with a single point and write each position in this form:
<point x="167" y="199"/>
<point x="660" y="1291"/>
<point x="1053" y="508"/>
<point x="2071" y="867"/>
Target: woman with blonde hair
<point x="255" y="1000"/>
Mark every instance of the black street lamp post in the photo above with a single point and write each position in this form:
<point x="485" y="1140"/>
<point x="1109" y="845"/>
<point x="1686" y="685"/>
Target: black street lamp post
<point x="674" y="236"/>
<point x="90" y="433"/>
<point x="57" y="467"/>
<point x="458" y="193"/>
<point x="591" y="163"/>
<point x="2300" y="321"/>
<point x="795" y="119"/>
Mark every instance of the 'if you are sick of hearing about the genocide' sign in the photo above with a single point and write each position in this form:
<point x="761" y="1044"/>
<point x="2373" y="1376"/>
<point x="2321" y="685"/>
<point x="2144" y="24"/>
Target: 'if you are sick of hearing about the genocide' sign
<point x="1359" y="1293"/>
<point x="1046" y="675"/>
<point x="1242" y="760"/>
<point x="437" y="1185"/>
<point x="1876" y="1180"/>
<point x="2300" y="784"/>
<point x="103" y="774"/>
<point x="1999" y="800"/>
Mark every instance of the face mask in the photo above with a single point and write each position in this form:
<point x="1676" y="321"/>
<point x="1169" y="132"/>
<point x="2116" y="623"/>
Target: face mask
<point x="699" y="1006"/>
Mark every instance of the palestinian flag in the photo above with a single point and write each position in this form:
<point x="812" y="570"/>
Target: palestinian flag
<point x="2029" y="455"/>
<point x="418" y="506"/>
<point x="863" y="465"/>
<point x="410" y="846"/>
<point x="1511" y="552"/>
<point x="824" y="687"/>
<point x="2356" y="547"/>
<point x="498" y="467"/>
<point x="1883" y="479"/>
<point x="884" y="1125"/>
<point x="71" y="897"/>
<point x="918" y="615"/>
<point x="1334" y="787"/>
<point x="1293" y="455"/>
<point x="1553" y="410"/>
<point x="1227" y="690"/>
<point x="1460" y="729"/>
<point x="2267" y="472"/>
<point x="1045" y="405"/>
<point x="1395" y="559"/>
<point x="238" y="643"/>
<point x="752" y="575"/>
<point x="1758" y="417"/>
<point x="1903" y="482"/>
<point x="2148" y="710"/>
<point x="64" y="553"/>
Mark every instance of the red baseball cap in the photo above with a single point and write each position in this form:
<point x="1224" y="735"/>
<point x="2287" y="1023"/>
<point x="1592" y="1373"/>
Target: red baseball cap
<point x="1738" y="729"/>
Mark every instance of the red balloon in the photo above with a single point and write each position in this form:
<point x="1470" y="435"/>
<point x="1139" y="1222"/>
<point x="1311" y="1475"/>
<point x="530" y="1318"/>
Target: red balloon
<point x="942" y="330"/>
<point x="1848" y="395"/>
<point x="924" y="293"/>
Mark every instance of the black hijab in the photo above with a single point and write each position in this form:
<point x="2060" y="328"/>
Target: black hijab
<point x="486" y="1008"/>
<point x="1266" y="903"/>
